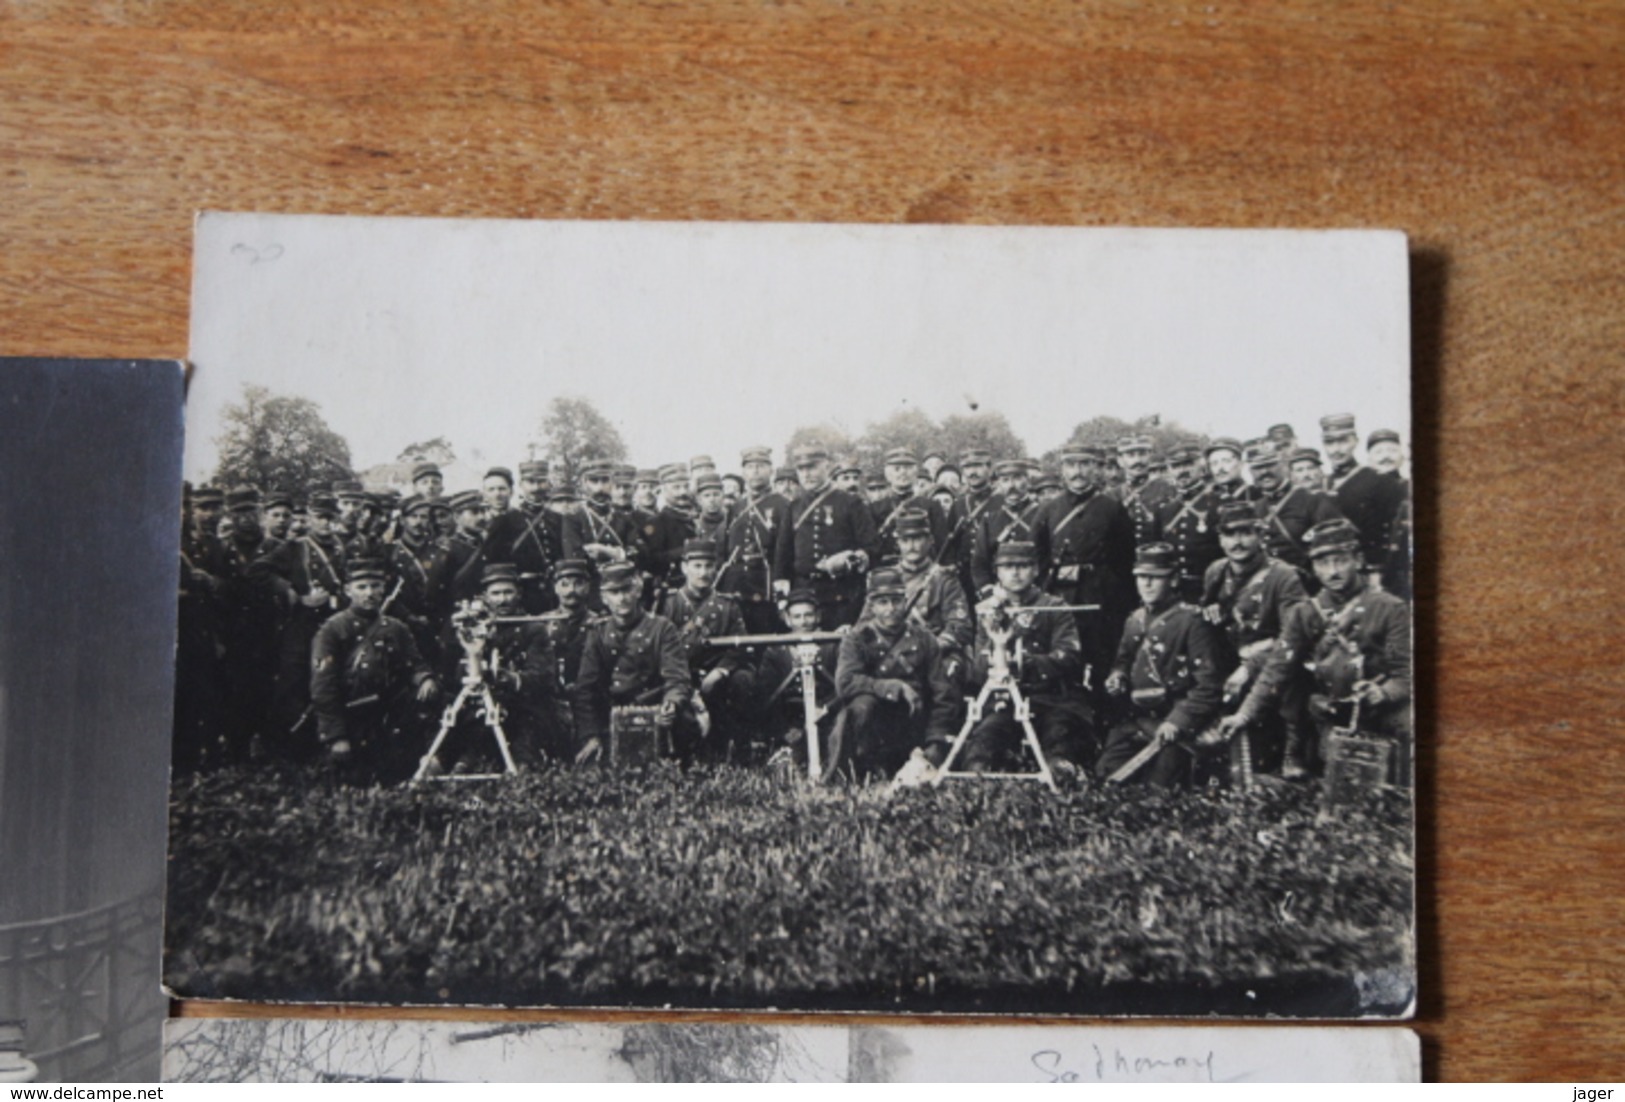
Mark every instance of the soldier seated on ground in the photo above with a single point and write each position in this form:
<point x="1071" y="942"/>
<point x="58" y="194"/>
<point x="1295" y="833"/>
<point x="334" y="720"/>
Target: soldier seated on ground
<point x="719" y="674"/>
<point x="1168" y="677"/>
<point x="630" y="658"/>
<point x="889" y="672"/>
<point x="1044" y="657"/>
<point x="1355" y="640"/>
<point x="367" y="683"/>
<point x="515" y="661"/>
<point x="779" y="694"/>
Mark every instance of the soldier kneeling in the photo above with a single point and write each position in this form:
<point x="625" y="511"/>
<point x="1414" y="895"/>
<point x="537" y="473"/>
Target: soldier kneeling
<point x="1045" y="656"/>
<point x="367" y="681"/>
<point x="890" y="674"/>
<point x="1169" y="670"/>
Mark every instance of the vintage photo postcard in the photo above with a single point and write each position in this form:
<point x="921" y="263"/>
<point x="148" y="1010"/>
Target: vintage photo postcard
<point x="925" y="618"/>
<point x="203" y="1050"/>
<point x="92" y="451"/>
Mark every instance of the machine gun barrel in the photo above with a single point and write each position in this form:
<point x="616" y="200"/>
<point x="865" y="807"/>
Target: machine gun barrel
<point x="775" y="640"/>
<point x="1049" y="608"/>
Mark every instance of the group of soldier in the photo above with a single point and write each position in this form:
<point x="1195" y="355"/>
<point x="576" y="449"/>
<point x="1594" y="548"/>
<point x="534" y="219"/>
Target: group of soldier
<point x="1147" y="609"/>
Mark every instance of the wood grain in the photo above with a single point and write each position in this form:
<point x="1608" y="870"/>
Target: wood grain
<point x="1492" y="132"/>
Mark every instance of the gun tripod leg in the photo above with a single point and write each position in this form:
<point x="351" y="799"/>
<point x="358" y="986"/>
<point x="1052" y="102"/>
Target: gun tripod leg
<point x="493" y="720"/>
<point x="447" y="720"/>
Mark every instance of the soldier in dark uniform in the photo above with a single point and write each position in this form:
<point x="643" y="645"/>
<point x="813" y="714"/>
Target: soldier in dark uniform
<point x="1224" y="470"/>
<point x="516" y="660"/>
<point x="1284" y="437"/>
<point x="567" y="632"/>
<point x="932" y="596"/>
<point x="889" y="673"/>
<point x="834" y="538"/>
<point x="200" y="541"/>
<point x="977" y="497"/>
<point x="1046" y="487"/>
<point x="1009" y="517"/>
<point x="534" y="483"/>
<point x="352" y="501"/>
<point x="198" y="704"/>
<point x="1356" y="642"/>
<point x="901" y="470"/>
<point x="757" y="553"/>
<point x="429" y="483"/>
<point x="630" y="657"/>
<point x="1189" y="522"/>
<point x="671" y="530"/>
<point x="597" y="531"/>
<point x="419" y="570"/>
<point x="531" y="537"/>
<point x="249" y="619"/>
<point x="710" y="511"/>
<point x="496" y="490"/>
<point x="1047" y="661"/>
<point x="1248" y="595"/>
<point x="876" y="490"/>
<point x="1307" y="473"/>
<point x="623" y="490"/>
<point x="1085" y="545"/>
<point x="646" y="491"/>
<point x="1141" y="494"/>
<point x="277" y="513"/>
<point x="367" y="680"/>
<point x="307" y="577"/>
<point x="1369" y="500"/>
<point x="787" y="484"/>
<point x="848" y="476"/>
<point x="1169" y="674"/>
<point x="719" y="674"/>
<point x="465" y="547"/>
<point x="1287" y="512"/>
<point x="778" y="691"/>
<point x="1386" y="454"/>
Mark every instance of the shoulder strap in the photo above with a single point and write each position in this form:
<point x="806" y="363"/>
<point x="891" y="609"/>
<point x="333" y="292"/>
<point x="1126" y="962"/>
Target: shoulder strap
<point x="813" y="507"/>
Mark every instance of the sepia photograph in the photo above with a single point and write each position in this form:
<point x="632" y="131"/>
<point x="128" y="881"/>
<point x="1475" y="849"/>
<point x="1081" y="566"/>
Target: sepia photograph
<point x="87" y="645"/>
<point x="956" y="619"/>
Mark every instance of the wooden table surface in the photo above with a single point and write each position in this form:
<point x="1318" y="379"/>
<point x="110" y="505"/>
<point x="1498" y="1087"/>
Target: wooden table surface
<point x="1492" y="132"/>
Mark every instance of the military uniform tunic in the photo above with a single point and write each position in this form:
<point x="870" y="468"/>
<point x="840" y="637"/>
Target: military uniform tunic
<point x="1046" y="659"/>
<point x="829" y="522"/>
<point x="879" y="732"/>
<point x="1000" y="523"/>
<point x="1175" y="663"/>
<point x="1085" y="545"/>
<point x="1286" y="517"/>
<point x="964" y="517"/>
<point x="1370" y="501"/>
<point x="362" y="668"/>
<point x="1188" y="520"/>
<point x="532" y="539"/>
<point x="627" y="665"/>
<point x="889" y="510"/>
<point x="755" y="551"/>
<point x="1145" y="502"/>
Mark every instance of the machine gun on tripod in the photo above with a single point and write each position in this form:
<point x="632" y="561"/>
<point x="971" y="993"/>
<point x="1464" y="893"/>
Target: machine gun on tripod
<point x="1002" y="691"/>
<point x="475" y="622"/>
<point x="804" y="668"/>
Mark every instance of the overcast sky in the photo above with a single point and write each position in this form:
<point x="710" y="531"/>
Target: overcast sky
<point x="706" y="337"/>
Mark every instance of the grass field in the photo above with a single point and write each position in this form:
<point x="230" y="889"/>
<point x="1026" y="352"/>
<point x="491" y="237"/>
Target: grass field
<point x="726" y="889"/>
